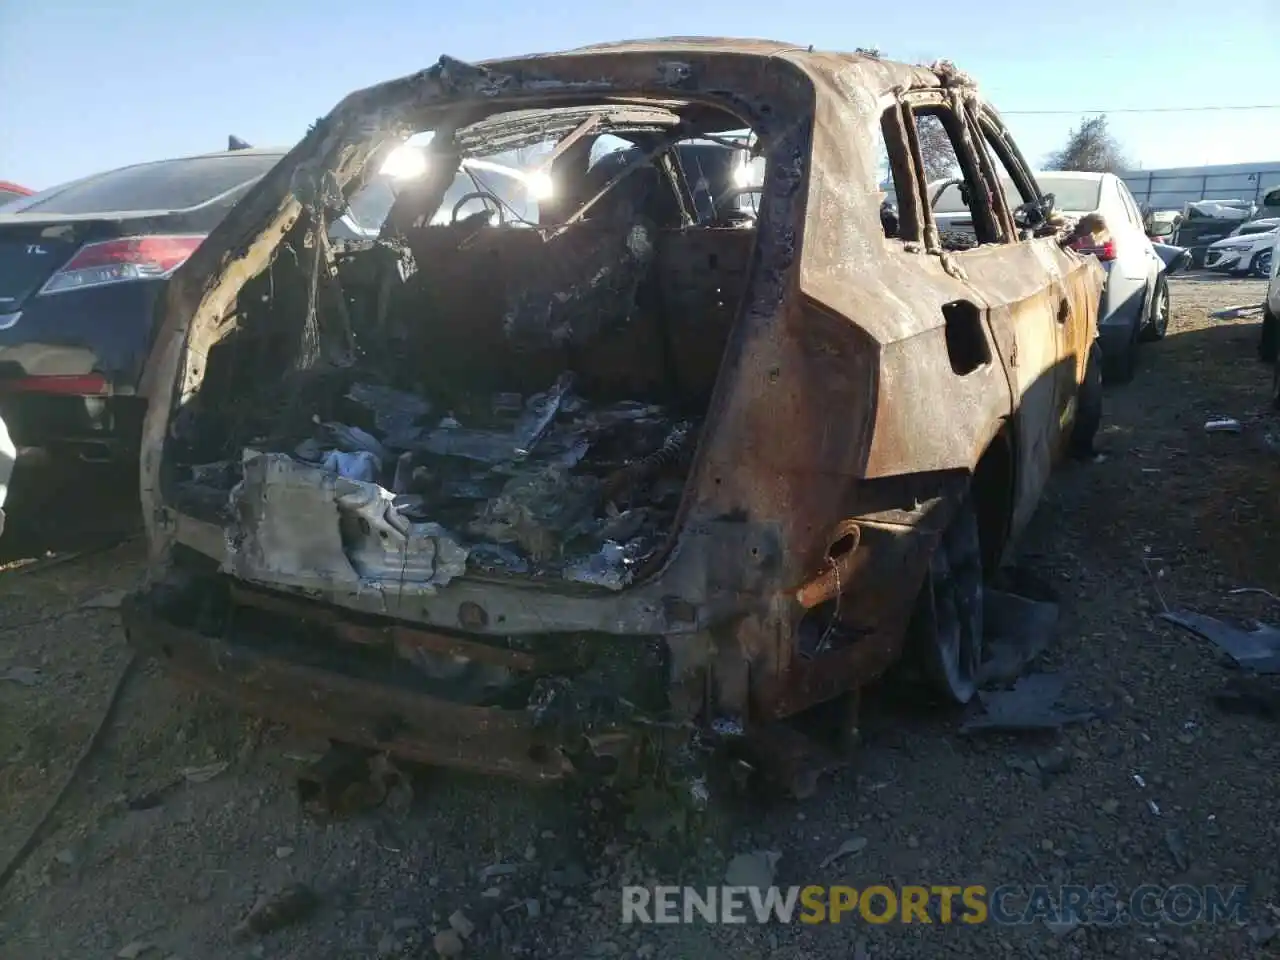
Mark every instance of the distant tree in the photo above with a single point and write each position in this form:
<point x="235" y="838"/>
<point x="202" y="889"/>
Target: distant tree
<point x="935" y="146"/>
<point x="1091" y="147"/>
<point x="936" y="151"/>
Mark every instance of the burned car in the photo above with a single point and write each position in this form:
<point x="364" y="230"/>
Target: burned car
<point x="532" y="488"/>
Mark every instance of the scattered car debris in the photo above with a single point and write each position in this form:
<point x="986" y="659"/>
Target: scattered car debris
<point x="1222" y="425"/>
<point x="205" y="773"/>
<point x="131" y="951"/>
<point x="348" y="779"/>
<point x="1262" y="933"/>
<point x="1246" y="695"/>
<point x="1235" y="313"/>
<point x="1061" y="928"/>
<point x="1044" y="767"/>
<point x="1025" y="765"/>
<point x="26" y="676"/>
<point x="1257" y="649"/>
<point x="850" y="846"/>
<point x="1053" y="762"/>
<point x="1030" y="705"/>
<point x="752" y="870"/>
<point x="1177" y="844"/>
<point x="460" y="922"/>
<point x="498" y="870"/>
<point x="275" y="910"/>
<point x="1016" y="630"/>
<point x="1243" y="590"/>
<point x="107" y="600"/>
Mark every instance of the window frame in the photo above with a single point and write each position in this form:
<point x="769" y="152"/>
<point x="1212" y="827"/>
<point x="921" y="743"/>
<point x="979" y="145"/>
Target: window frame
<point x="990" y="220"/>
<point x="995" y="138"/>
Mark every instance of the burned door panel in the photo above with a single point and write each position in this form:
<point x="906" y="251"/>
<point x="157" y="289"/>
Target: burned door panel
<point x="1024" y="307"/>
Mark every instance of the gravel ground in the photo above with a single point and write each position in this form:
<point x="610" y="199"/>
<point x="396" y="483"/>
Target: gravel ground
<point x="187" y="813"/>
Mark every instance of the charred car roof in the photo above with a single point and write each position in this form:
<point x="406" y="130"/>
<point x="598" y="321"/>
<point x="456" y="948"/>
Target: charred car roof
<point x="775" y="88"/>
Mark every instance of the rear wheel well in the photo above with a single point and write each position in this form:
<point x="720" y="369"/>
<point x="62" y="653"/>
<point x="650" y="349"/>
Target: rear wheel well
<point x="992" y="494"/>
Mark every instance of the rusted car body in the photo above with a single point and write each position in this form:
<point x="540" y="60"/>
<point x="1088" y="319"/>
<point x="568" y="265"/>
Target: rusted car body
<point x="850" y="393"/>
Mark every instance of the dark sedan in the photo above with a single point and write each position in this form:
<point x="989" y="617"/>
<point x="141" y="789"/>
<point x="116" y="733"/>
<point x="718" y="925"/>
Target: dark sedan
<point x="11" y="191"/>
<point x="82" y="267"/>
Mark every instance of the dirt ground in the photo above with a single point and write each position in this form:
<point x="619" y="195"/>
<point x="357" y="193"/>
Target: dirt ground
<point x="186" y="813"/>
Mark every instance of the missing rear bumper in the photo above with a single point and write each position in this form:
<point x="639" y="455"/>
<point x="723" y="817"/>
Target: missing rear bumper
<point x="374" y="715"/>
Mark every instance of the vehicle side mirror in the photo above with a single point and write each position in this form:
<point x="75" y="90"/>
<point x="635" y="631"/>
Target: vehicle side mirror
<point x="889" y="219"/>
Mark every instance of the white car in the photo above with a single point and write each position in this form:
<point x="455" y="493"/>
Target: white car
<point x="1269" y="344"/>
<point x="1246" y="250"/>
<point x="1135" y="300"/>
<point x="1273" y="287"/>
<point x="8" y="454"/>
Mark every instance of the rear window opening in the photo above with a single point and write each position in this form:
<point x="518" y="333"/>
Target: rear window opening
<point x="510" y="381"/>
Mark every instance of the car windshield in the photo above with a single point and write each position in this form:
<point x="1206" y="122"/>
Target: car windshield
<point x="166" y="185"/>
<point x="369" y="206"/>
<point x="1254" y="228"/>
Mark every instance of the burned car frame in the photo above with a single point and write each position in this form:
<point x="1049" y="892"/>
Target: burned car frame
<point x="836" y="430"/>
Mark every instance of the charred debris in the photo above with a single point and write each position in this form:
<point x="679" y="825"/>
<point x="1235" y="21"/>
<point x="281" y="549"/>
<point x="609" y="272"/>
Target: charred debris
<point x="479" y="390"/>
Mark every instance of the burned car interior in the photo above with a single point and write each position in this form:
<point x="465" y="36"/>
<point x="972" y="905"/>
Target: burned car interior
<point x="494" y="388"/>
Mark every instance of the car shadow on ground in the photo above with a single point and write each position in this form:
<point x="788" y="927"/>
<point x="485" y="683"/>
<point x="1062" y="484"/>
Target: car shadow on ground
<point x="60" y="509"/>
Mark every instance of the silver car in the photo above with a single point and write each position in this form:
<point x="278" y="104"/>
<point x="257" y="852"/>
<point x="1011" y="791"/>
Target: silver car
<point x="1135" y="301"/>
<point x="8" y="454"/>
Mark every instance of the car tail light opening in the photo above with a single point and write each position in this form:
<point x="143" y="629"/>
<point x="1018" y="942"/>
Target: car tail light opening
<point x="123" y="260"/>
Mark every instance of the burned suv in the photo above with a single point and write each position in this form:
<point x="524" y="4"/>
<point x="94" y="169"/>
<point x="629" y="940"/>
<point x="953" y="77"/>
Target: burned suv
<point x="547" y="473"/>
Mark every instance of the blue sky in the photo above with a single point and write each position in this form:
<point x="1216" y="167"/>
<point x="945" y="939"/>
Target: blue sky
<point x="93" y="84"/>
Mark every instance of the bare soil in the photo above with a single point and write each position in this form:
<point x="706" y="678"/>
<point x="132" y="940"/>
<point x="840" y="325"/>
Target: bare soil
<point x="159" y="850"/>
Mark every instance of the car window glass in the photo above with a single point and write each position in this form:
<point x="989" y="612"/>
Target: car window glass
<point x="166" y="185"/>
<point x="1130" y="206"/>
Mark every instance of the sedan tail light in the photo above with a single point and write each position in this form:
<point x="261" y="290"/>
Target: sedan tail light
<point x="123" y="260"/>
<point x="80" y="385"/>
<point x="1092" y="235"/>
<point x="1103" y="251"/>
